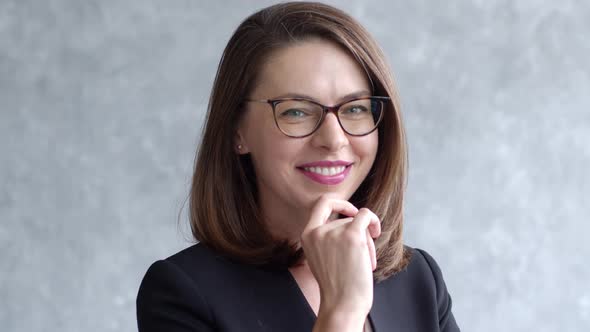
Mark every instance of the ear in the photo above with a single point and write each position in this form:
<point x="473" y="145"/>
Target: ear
<point x="240" y="146"/>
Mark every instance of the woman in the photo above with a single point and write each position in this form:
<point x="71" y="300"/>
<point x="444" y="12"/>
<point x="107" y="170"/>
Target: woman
<point x="297" y="193"/>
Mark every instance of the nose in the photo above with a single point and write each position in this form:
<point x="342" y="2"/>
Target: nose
<point x="330" y="136"/>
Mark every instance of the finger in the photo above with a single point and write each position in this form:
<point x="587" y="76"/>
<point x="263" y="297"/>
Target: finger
<point x="366" y="219"/>
<point x="324" y="208"/>
<point x="372" y="252"/>
<point x="335" y="224"/>
<point x="333" y="216"/>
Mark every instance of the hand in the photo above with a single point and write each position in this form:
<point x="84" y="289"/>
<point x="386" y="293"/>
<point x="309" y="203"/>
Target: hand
<point x="341" y="256"/>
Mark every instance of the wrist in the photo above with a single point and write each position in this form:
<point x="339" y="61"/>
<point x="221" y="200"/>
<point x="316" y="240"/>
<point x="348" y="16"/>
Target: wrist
<point x="340" y="320"/>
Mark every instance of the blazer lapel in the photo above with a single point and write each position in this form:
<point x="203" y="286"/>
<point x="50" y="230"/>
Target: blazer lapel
<point x="380" y="314"/>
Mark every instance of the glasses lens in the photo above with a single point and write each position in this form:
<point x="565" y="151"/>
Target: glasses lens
<point x="297" y="117"/>
<point x="360" y="117"/>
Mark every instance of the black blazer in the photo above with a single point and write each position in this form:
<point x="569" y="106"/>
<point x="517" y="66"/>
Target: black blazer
<point x="197" y="290"/>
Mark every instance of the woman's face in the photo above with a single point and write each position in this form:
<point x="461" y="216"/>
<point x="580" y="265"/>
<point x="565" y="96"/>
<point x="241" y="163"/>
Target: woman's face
<point x="292" y="173"/>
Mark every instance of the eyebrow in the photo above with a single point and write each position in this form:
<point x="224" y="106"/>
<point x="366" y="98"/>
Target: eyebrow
<point x="357" y="94"/>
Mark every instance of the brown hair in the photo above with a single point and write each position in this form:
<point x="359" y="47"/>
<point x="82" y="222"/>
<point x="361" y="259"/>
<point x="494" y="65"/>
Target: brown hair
<point x="224" y="213"/>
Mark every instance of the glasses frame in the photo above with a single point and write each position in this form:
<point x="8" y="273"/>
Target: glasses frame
<point x="334" y="109"/>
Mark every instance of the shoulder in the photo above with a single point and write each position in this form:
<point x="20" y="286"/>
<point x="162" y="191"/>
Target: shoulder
<point x="195" y="264"/>
<point x="201" y="269"/>
<point x="199" y="286"/>
<point x="199" y="255"/>
<point x="422" y="262"/>
<point x="422" y="271"/>
<point x="175" y="289"/>
<point x="424" y="275"/>
<point x="167" y="292"/>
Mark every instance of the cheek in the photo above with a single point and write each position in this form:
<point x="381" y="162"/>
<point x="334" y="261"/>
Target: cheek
<point x="366" y="147"/>
<point x="260" y="136"/>
<point x="276" y="154"/>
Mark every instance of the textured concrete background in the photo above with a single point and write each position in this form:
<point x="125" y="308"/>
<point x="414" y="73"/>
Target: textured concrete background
<point x="101" y="105"/>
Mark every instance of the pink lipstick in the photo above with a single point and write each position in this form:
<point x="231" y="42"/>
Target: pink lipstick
<point x="326" y="172"/>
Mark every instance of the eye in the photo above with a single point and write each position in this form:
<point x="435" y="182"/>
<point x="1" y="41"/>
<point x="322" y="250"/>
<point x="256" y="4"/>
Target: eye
<point x="294" y="113"/>
<point x="356" y="109"/>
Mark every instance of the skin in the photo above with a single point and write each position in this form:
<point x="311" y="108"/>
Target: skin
<point x="340" y="254"/>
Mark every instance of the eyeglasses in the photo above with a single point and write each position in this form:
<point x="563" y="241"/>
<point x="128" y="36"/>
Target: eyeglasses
<point x="300" y="117"/>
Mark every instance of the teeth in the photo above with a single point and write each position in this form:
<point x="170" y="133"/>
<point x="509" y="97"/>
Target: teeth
<point x="326" y="171"/>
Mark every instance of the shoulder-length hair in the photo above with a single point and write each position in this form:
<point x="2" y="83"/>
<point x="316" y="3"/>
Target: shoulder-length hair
<point x="224" y="211"/>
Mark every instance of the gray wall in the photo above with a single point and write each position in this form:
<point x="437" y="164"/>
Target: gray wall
<point x="102" y="102"/>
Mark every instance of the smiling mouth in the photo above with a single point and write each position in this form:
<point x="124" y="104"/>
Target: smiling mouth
<point x="331" y="175"/>
<point x="325" y="171"/>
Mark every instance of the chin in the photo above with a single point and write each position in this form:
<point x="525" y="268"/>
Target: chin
<point x="312" y="198"/>
<point x="337" y="195"/>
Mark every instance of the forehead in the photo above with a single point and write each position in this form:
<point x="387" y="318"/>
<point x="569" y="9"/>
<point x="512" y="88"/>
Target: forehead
<point x="317" y="68"/>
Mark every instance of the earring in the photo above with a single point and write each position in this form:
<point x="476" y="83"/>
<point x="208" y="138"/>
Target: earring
<point x="239" y="146"/>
